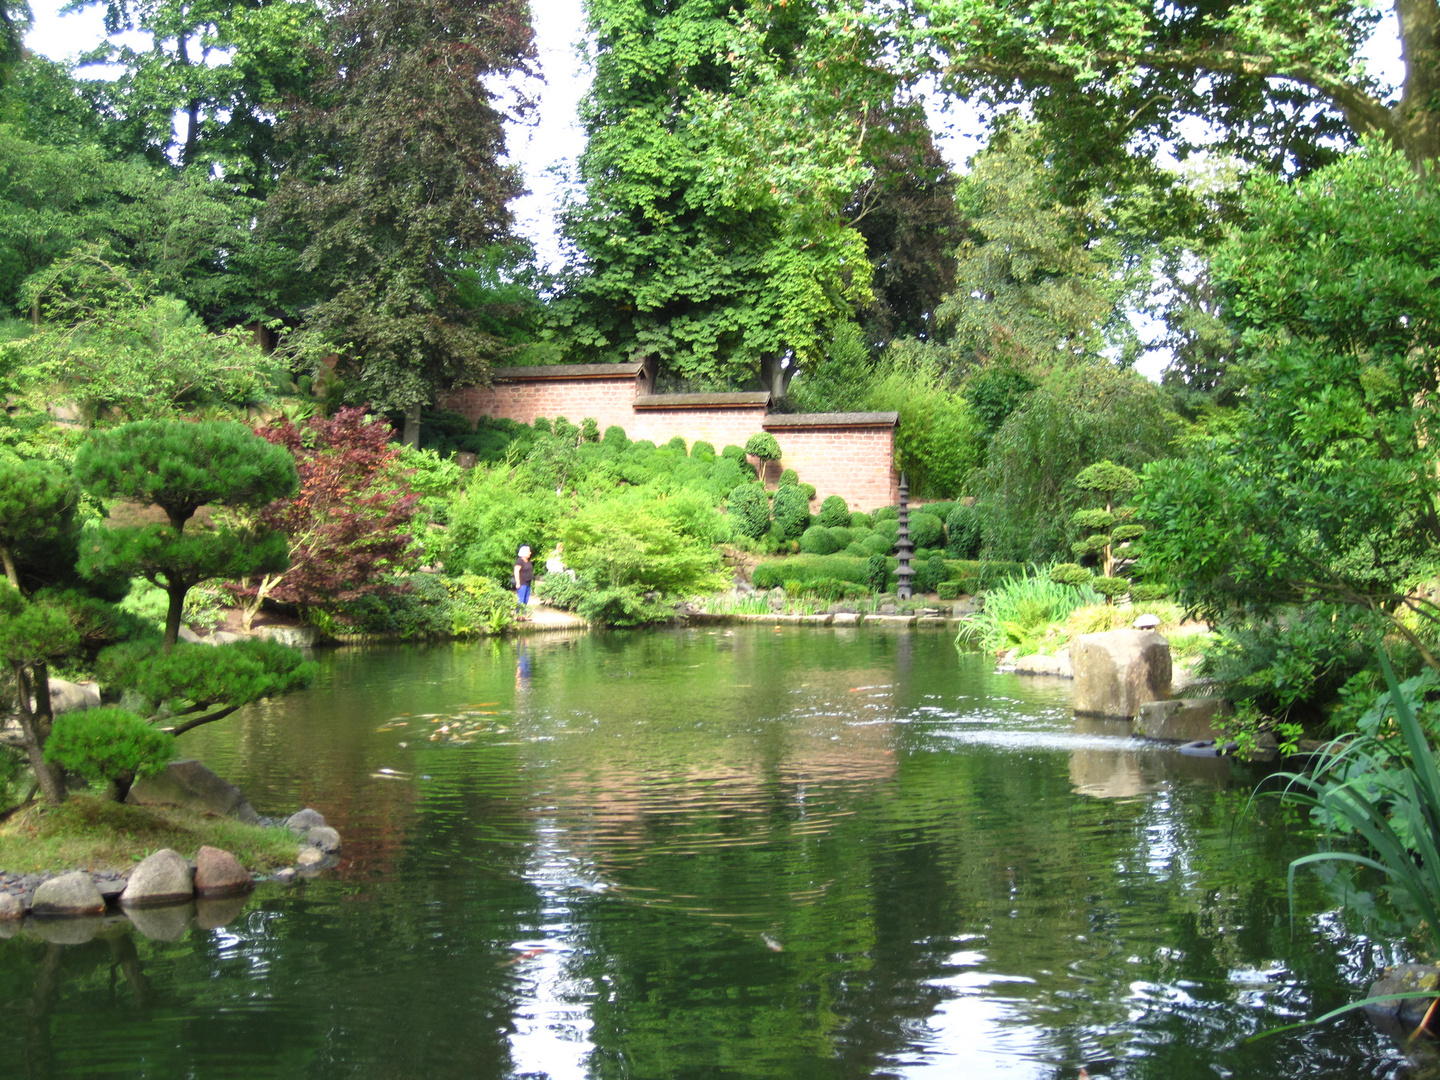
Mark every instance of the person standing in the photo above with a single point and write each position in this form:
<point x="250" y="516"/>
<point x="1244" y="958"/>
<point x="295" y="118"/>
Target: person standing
<point x="524" y="575"/>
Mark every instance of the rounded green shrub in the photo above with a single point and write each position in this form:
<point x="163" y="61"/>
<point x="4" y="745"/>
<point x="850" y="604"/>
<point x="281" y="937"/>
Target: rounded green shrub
<point x="1069" y="573"/>
<point x="948" y="590"/>
<point x="859" y="520"/>
<point x="885" y="513"/>
<point x="733" y="451"/>
<point x="791" y="513"/>
<point x="818" y="540"/>
<point x="926" y="531"/>
<point x="810" y="492"/>
<point x="834" y="511"/>
<point x="615" y="437"/>
<point x="763" y="446"/>
<point x="749" y="510"/>
<point x="564" y="429"/>
<point x="108" y="745"/>
<point x="962" y="529"/>
<point x="877" y="573"/>
<point x="788" y="477"/>
<point x="857" y="550"/>
<point x="542" y="425"/>
<point x="930" y="573"/>
<point x="878" y="543"/>
<point x="589" y="430"/>
<point x="1110" y="587"/>
<point x="889" y="528"/>
<point x="843" y="534"/>
<point x="702" y="450"/>
<point x="1149" y="592"/>
<point x="678" y="444"/>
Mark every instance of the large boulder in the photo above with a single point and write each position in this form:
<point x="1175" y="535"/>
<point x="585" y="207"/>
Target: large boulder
<point x="161" y="878"/>
<point x="1182" y="719"/>
<point x="1118" y="671"/>
<point x="191" y="785"/>
<point x="72" y="696"/>
<point x="302" y="821"/>
<point x="69" y="894"/>
<point x="1400" y="1018"/>
<point x="219" y="873"/>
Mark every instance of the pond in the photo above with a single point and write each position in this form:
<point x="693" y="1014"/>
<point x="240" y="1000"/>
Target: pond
<point x="720" y="853"/>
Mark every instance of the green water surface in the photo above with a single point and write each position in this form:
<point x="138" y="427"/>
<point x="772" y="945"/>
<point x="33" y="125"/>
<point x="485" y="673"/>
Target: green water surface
<point x="718" y="853"/>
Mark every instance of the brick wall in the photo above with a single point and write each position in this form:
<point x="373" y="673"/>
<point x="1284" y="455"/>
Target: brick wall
<point x="855" y="462"/>
<point x="851" y="455"/>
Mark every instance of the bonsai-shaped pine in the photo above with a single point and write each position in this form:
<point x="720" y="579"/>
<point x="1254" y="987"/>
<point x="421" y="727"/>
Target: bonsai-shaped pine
<point x="37" y="509"/>
<point x="109" y="746"/>
<point x="32" y="634"/>
<point x="1110" y="529"/>
<point x="180" y="466"/>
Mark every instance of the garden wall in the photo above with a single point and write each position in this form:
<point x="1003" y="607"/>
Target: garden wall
<point x="847" y="454"/>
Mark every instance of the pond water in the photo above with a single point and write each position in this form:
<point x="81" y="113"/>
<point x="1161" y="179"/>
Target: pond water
<point x="719" y="853"/>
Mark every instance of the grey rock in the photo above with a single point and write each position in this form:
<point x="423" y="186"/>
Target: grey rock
<point x="309" y="858"/>
<point x="191" y="785"/>
<point x="1118" y="671"/>
<point x="285" y="875"/>
<point x="190" y="636"/>
<point x="11" y="907"/>
<point x="69" y="894"/>
<point x="323" y="837"/>
<point x="219" y="873"/>
<point x="73" y="697"/>
<point x="167" y="923"/>
<point x="302" y="821"/>
<point x="887" y="609"/>
<point x="297" y="637"/>
<point x="1057" y="665"/>
<point x="223" y="637"/>
<point x="161" y="878"/>
<point x="67" y="931"/>
<point x="1182" y="719"/>
<point x="110" y="886"/>
<point x="846" y="618"/>
<point x="1399" y="1018"/>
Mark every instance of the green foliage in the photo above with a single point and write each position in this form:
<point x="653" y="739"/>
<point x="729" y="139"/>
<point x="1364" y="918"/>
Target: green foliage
<point x="790" y="513"/>
<point x="1070" y="573"/>
<point x="963" y="532"/>
<point x="858" y="520"/>
<point x="479" y="605"/>
<point x="763" y="446"/>
<point x="203" y="675"/>
<point x="818" y="540"/>
<point x="1074" y="418"/>
<point x="493" y="516"/>
<point x="733" y="451"/>
<point x="563" y="591"/>
<point x="948" y="590"/>
<point x="1107" y="479"/>
<point x="622" y="606"/>
<point x="1017" y="612"/>
<point x="616" y="438"/>
<point x="590" y="430"/>
<point x="788" y="477"/>
<point x="938" y="441"/>
<point x="418" y="607"/>
<point x="926" y="530"/>
<point x="664" y="544"/>
<point x="877" y="573"/>
<point x="37" y="510"/>
<point x="834" y="511"/>
<point x="930" y="573"/>
<point x="807" y="568"/>
<point x="1112" y="588"/>
<point x="108" y="746"/>
<point x="702" y="450"/>
<point x="749" y="510"/>
<point x="1326" y="488"/>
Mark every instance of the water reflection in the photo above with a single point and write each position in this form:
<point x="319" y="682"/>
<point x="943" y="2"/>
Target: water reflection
<point x="743" y="853"/>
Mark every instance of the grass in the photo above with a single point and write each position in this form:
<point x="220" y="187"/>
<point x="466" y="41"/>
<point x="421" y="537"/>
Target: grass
<point x="94" y="834"/>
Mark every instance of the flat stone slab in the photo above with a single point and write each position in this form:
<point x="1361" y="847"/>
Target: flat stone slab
<point x="891" y="620"/>
<point x="1058" y="665"/>
<point x="932" y="620"/>
<point x="846" y="619"/>
<point x="68" y="895"/>
<point x="1182" y="719"/>
<point x="191" y="785"/>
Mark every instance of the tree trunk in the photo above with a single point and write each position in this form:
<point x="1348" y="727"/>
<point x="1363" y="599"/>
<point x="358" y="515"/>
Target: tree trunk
<point x="11" y="574"/>
<point x="173" y="615"/>
<point x="1418" y="112"/>
<point x="52" y="787"/>
<point x="774" y="376"/>
<point x="412" y="426"/>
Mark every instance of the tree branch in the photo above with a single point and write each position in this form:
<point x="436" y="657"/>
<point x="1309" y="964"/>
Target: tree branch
<point x="200" y="721"/>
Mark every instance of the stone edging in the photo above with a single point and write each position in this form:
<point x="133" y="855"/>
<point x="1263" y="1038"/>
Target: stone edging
<point x="836" y="619"/>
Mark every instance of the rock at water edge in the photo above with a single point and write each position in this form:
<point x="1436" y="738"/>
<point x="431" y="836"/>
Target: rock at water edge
<point x="219" y="873"/>
<point x="69" y="894"/>
<point x="324" y="838"/>
<point x="191" y="785"/>
<point x="310" y="858"/>
<point x="162" y="878"/>
<point x="1399" y="1018"/>
<point x="11" y="907"/>
<point x="302" y="821"/>
<point x="1182" y="719"/>
<point x="1118" y="671"/>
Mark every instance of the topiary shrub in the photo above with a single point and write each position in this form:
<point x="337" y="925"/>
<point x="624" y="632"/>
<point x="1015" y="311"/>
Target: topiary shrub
<point x="1149" y="592"/>
<point x="807" y="568"/>
<point x="590" y="430"/>
<point x="857" y="550"/>
<point x="791" y="513"/>
<point x="615" y="437"/>
<point x="763" y="446"/>
<point x="749" y="510"/>
<point x="843" y="534"/>
<point x="702" y="450"/>
<point x="108" y="746"/>
<point x="565" y="430"/>
<point x="926" y="531"/>
<point x="1069" y="573"/>
<point x="678" y="444"/>
<point x="948" y="590"/>
<point x="733" y="451"/>
<point x="1110" y="587"/>
<point x="810" y="493"/>
<point x="788" y="477"/>
<point x="885" y="513"/>
<point x="889" y="528"/>
<point x="939" y="510"/>
<point x="878" y="543"/>
<point x="542" y="425"/>
<point x="877" y="573"/>
<point x="835" y="511"/>
<point x="962" y="530"/>
<point x="859" y="520"/>
<point x="930" y="573"/>
<point x="818" y="540"/>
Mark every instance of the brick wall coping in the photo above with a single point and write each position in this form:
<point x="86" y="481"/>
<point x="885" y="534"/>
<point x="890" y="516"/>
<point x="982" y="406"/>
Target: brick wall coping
<point x="565" y="371"/>
<point x="832" y="419"/>
<point x="702" y="401"/>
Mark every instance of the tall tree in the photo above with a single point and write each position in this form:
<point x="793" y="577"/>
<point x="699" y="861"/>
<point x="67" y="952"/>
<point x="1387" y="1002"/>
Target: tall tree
<point x="724" y="142"/>
<point x="1278" y="80"/>
<point x="395" y="179"/>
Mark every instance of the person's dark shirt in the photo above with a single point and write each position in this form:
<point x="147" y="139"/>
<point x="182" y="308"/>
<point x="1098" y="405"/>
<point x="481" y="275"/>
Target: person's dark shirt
<point x="527" y="570"/>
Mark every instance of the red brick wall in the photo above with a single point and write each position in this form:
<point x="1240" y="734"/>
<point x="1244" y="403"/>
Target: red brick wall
<point x="606" y="399"/>
<point x="855" y="462"/>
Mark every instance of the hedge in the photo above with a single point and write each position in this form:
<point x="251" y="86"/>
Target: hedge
<point x="807" y="568"/>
